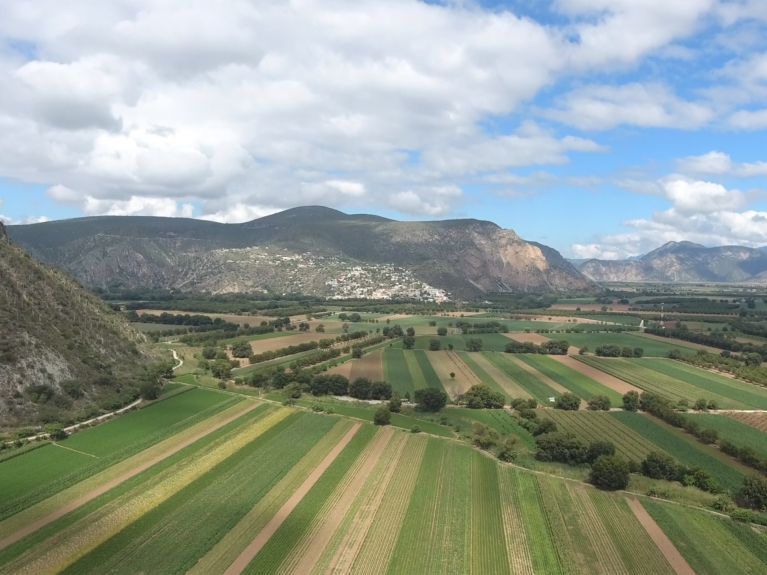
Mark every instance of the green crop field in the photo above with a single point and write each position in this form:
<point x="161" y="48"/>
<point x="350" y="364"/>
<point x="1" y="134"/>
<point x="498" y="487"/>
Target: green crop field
<point x="396" y="371"/>
<point x="600" y="426"/>
<point x="38" y="474"/>
<point x="280" y="489"/>
<point x="732" y="430"/>
<point x="579" y="384"/>
<point x="429" y="375"/>
<point x="526" y="380"/>
<point x="651" y="347"/>
<point x="684" y="448"/>
<point x="729" y="547"/>
<point x="676" y="381"/>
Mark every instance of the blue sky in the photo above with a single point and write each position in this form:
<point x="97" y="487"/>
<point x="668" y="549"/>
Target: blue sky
<point x="603" y="128"/>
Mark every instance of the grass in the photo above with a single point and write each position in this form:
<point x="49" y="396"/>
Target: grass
<point x="33" y="476"/>
<point x="490" y="341"/>
<point x="710" y="544"/>
<point x="684" y="448"/>
<point x="237" y="484"/>
<point x="488" y="544"/>
<point x="579" y="384"/>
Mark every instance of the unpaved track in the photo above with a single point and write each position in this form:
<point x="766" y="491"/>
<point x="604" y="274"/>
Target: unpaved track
<point x="324" y="531"/>
<point x="247" y="555"/>
<point x="597" y="375"/>
<point x="666" y="546"/>
<point x="103" y="488"/>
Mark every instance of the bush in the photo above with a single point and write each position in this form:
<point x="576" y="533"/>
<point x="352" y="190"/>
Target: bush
<point x="753" y="493"/>
<point x="599" y="448"/>
<point x="430" y="399"/>
<point x="441" y="331"/>
<point x="507" y="449"/>
<point x="395" y="403"/>
<point x="568" y="402"/>
<point x="631" y="401"/>
<point x="382" y="416"/>
<point x="659" y="466"/>
<point x="481" y="396"/>
<point x="435" y="345"/>
<point x="610" y="472"/>
<point x="599" y="403"/>
<point x="474" y="344"/>
<point x="545" y="426"/>
<point x="561" y="447"/>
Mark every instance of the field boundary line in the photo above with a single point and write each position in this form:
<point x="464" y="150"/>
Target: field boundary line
<point x="659" y="537"/>
<point x="69" y="506"/>
<point x="250" y="552"/>
<point x="75" y="450"/>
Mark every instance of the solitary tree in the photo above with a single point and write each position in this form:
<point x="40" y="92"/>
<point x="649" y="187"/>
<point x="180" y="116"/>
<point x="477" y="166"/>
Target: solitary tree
<point x="631" y="401"/>
<point x="382" y="416"/>
<point x="430" y="399"/>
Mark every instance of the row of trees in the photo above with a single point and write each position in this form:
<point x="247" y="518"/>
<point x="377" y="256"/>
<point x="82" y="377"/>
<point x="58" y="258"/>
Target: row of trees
<point x="551" y="347"/>
<point x="610" y="350"/>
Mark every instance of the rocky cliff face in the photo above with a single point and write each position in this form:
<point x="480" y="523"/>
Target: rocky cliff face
<point x="62" y="351"/>
<point x="684" y="262"/>
<point x="464" y="257"/>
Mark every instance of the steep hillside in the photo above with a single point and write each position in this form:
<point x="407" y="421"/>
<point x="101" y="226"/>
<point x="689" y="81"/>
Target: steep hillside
<point x="312" y="250"/>
<point x="63" y="353"/>
<point x="684" y="262"/>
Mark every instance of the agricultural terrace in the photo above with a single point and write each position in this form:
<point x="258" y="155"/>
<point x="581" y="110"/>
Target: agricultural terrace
<point x="678" y="381"/>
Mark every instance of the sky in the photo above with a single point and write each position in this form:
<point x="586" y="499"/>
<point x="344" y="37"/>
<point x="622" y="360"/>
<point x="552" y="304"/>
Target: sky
<point x="603" y="128"/>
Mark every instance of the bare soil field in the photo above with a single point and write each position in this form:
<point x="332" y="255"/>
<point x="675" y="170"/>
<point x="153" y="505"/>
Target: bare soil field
<point x="250" y="320"/>
<point x="757" y="420"/>
<point x="599" y="376"/>
<point x="669" y="550"/>
<point x="590" y="307"/>
<point x="369" y="366"/>
<point x="535" y="338"/>
<point x="446" y="362"/>
<point x="561" y="319"/>
<point x="344" y="369"/>
<point x="681" y="342"/>
<point x="272" y="343"/>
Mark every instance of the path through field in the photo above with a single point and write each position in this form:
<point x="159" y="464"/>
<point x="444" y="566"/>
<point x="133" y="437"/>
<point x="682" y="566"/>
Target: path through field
<point x="133" y="466"/>
<point x="247" y="555"/>
<point x="670" y="552"/>
<point x="597" y="375"/>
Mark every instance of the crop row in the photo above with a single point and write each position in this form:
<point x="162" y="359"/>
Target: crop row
<point x="528" y="381"/>
<point x="579" y="384"/>
<point x="595" y="426"/>
<point x="78" y="539"/>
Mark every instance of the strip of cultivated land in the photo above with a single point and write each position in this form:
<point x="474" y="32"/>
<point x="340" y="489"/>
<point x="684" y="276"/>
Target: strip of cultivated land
<point x="675" y="381"/>
<point x="755" y="420"/>
<point x="47" y="470"/>
<point x="369" y="365"/>
<point x="574" y="381"/>
<point x="600" y="426"/>
<point x="730" y="429"/>
<point x="447" y="362"/>
<point x="616" y="384"/>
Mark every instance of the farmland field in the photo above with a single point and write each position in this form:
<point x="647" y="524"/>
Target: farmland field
<point x="574" y="381"/>
<point x="51" y="468"/>
<point x="676" y="381"/>
<point x="755" y="420"/>
<point x="729" y="547"/>
<point x="684" y="448"/>
<point x="651" y="347"/>
<point x="731" y="429"/>
<point x="600" y="426"/>
<point x="310" y="493"/>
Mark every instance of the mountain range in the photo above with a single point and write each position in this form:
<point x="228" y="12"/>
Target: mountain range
<point x="63" y="352"/>
<point x="684" y="262"/>
<point x="311" y="249"/>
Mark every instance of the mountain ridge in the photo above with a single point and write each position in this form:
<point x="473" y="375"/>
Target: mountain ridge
<point x="465" y="257"/>
<point x="684" y="262"/>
